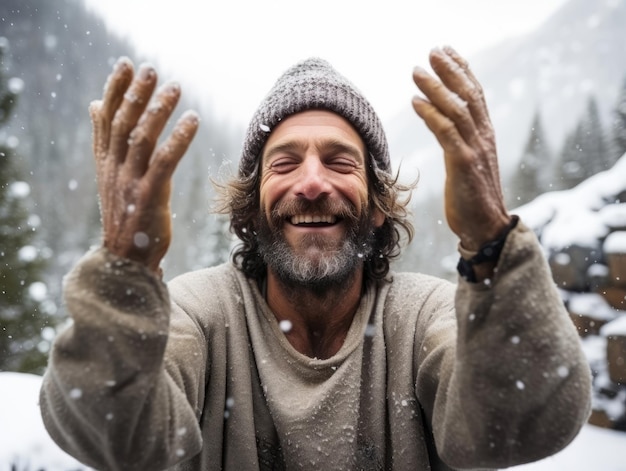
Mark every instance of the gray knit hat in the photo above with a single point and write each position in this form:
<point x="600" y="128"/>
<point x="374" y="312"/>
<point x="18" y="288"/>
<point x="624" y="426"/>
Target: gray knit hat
<point x="314" y="84"/>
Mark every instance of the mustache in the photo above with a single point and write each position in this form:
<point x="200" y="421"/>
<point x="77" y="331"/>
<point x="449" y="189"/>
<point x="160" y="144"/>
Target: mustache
<point x="342" y="209"/>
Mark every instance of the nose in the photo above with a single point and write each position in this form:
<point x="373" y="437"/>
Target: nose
<point x="312" y="179"/>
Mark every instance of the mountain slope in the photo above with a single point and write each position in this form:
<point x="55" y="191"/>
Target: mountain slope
<point x="63" y="53"/>
<point x="580" y="50"/>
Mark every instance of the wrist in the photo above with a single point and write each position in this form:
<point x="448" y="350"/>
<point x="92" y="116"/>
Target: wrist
<point x="478" y="265"/>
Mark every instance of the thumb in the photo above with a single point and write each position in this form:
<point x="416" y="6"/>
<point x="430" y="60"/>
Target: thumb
<point x="99" y="136"/>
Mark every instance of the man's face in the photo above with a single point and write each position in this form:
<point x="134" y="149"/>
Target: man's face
<point x="314" y="227"/>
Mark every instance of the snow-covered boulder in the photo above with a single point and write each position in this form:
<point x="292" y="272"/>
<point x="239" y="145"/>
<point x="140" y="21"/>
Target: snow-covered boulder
<point x="583" y="233"/>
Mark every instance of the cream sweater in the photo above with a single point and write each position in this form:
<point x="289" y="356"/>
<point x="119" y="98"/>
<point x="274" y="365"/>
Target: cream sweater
<point x="199" y="373"/>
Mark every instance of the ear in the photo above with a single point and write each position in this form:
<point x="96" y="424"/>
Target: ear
<point x="378" y="218"/>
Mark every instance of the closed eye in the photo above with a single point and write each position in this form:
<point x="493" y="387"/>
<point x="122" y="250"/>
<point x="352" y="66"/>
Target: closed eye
<point x="342" y="164"/>
<point x="283" y="165"/>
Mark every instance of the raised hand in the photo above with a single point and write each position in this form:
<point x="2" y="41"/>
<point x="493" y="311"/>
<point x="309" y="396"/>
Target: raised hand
<point x="454" y="109"/>
<point x="134" y="175"/>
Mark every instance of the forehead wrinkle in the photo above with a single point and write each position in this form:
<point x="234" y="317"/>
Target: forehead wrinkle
<point x="334" y="145"/>
<point x="290" y="146"/>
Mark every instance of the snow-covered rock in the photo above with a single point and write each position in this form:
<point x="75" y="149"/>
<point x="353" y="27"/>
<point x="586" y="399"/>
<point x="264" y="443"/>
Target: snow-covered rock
<point x="582" y="233"/>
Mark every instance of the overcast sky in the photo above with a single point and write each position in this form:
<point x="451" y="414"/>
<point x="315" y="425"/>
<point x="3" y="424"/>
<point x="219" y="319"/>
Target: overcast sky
<point x="231" y="52"/>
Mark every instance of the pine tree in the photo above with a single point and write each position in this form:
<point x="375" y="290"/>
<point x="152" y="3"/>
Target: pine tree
<point x="585" y="151"/>
<point x="570" y="168"/>
<point x="618" y="128"/>
<point x="594" y="142"/>
<point x="22" y="293"/>
<point x="533" y="173"/>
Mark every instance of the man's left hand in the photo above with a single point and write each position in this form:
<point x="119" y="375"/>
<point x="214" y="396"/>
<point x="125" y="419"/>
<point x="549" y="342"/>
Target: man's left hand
<point x="454" y="109"/>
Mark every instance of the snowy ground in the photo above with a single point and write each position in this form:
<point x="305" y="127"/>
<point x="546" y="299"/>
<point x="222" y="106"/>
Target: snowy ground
<point x="25" y="444"/>
<point x="594" y="449"/>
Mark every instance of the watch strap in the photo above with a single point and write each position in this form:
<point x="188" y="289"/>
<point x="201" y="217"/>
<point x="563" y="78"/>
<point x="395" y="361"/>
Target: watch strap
<point x="488" y="252"/>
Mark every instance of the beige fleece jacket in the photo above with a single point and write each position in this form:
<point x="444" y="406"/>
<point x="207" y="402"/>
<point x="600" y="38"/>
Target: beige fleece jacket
<point x="197" y="375"/>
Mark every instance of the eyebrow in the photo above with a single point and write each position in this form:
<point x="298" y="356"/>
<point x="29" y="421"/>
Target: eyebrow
<point x="332" y="145"/>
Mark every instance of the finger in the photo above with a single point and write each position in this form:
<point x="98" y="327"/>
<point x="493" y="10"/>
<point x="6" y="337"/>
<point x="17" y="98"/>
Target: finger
<point x="102" y="111"/>
<point x="99" y="152"/>
<point x="134" y="103"/>
<point x="116" y="85"/>
<point x="463" y="81"/>
<point x="463" y="63"/>
<point x="444" y="130"/>
<point x="448" y="102"/>
<point x="455" y="73"/>
<point x="96" y="125"/>
<point x="144" y="136"/>
<point x="169" y="154"/>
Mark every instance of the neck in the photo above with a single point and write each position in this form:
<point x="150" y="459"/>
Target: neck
<point x="319" y="320"/>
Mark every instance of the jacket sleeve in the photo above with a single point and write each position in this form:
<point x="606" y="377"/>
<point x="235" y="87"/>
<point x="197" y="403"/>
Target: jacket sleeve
<point x="107" y="397"/>
<point x="501" y="374"/>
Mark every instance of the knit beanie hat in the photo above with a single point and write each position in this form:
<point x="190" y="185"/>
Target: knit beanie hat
<point x="314" y="84"/>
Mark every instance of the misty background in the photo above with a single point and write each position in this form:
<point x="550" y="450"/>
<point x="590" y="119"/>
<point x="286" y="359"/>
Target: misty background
<point x="556" y="94"/>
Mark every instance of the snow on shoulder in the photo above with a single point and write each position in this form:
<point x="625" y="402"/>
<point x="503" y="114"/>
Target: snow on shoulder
<point x="25" y="444"/>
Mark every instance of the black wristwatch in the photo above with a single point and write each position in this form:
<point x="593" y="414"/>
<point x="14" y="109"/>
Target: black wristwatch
<point x="488" y="252"/>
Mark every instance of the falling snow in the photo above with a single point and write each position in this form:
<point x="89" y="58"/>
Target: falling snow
<point x="285" y="326"/>
<point x="141" y="240"/>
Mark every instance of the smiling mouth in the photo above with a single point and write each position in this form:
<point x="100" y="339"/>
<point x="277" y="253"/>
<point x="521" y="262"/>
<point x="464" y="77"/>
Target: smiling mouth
<point x="313" y="220"/>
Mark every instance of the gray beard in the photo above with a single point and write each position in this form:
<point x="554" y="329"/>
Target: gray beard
<point x="328" y="268"/>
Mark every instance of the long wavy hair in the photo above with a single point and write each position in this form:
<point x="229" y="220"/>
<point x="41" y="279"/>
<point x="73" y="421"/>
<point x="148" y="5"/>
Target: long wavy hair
<point x="240" y="199"/>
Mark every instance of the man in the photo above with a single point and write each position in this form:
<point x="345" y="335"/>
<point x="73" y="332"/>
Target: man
<point x="306" y="353"/>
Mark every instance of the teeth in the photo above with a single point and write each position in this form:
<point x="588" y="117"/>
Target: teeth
<point x="310" y="218"/>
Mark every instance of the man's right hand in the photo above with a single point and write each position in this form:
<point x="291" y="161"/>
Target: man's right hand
<point x="134" y="175"/>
